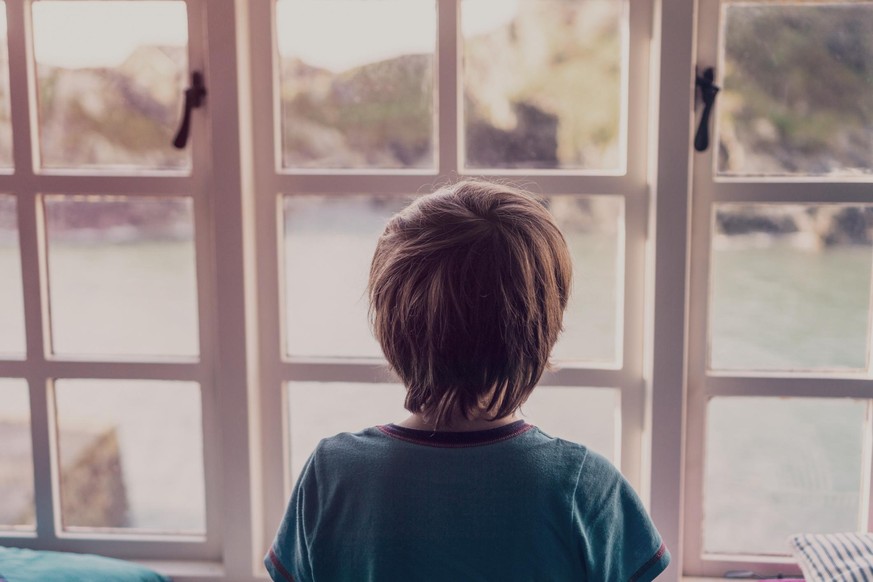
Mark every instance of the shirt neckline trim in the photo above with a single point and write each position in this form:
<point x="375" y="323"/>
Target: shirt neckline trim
<point x="448" y="439"/>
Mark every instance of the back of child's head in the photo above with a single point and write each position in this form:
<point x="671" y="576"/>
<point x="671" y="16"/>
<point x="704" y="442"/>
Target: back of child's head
<point x="468" y="288"/>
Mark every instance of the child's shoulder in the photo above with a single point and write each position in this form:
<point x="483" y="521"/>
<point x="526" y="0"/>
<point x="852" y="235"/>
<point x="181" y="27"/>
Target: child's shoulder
<point x="348" y="441"/>
<point x="590" y="463"/>
<point x="564" y="447"/>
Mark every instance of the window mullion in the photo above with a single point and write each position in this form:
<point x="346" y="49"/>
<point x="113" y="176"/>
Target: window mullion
<point x="789" y="386"/>
<point x="633" y="409"/>
<point x="41" y="423"/>
<point x="674" y="39"/>
<point x="220" y="201"/>
<point x="791" y="191"/>
<point x="632" y="287"/>
<point x="270" y="407"/>
<point x="865" y="517"/>
<point x="448" y="72"/>
<point x="701" y="225"/>
<point x="206" y="166"/>
<point x="22" y="110"/>
<point x="30" y="241"/>
<point x="80" y="183"/>
<point x="35" y="319"/>
<point x="635" y="89"/>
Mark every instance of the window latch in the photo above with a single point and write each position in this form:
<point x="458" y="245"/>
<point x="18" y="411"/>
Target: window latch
<point x="195" y="95"/>
<point x="708" y="91"/>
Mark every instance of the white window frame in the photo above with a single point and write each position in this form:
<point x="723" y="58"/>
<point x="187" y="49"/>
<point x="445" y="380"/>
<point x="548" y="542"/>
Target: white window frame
<point x="213" y="185"/>
<point x="242" y="368"/>
<point x="271" y="180"/>
<point x="710" y="189"/>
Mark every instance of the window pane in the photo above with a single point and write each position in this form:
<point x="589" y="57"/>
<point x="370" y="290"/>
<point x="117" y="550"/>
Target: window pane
<point x="589" y="416"/>
<point x="5" y="114"/>
<point x="357" y="83"/>
<point x="797" y="93"/>
<point x="543" y="83"/>
<point x="131" y="455"/>
<point x="594" y="229"/>
<point x="110" y="78"/>
<point x="122" y="276"/>
<point x="16" y="458"/>
<point x="11" y="300"/>
<point x="317" y="410"/>
<point x="780" y="466"/>
<point x="791" y="287"/>
<point x="329" y="243"/>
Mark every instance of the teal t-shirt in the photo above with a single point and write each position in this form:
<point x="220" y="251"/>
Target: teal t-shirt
<point x="511" y="503"/>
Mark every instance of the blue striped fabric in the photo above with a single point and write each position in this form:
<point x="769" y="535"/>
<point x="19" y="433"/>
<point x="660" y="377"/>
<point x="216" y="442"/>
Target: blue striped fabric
<point x="839" y="557"/>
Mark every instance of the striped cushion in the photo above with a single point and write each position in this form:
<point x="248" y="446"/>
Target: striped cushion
<point x="843" y="557"/>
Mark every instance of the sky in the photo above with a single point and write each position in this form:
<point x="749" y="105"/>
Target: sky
<point x="332" y="34"/>
<point x="340" y="34"/>
<point x="103" y="33"/>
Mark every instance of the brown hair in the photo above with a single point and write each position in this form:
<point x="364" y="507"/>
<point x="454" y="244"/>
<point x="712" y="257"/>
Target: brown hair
<point x="468" y="288"/>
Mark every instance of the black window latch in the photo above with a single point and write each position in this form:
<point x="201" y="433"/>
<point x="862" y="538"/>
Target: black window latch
<point x="195" y="95"/>
<point x="708" y="91"/>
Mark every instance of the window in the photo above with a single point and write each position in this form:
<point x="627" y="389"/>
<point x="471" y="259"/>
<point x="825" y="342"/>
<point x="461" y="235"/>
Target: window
<point x="779" y="399"/>
<point x="358" y="115"/>
<point x="106" y="292"/>
<point x="210" y="301"/>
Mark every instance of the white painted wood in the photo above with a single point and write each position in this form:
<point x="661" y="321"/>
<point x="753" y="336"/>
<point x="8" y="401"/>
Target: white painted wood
<point x="448" y="108"/>
<point x="637" y="85"/>
<point x="190" y="371"/>
<point x="545" y="183"/>
<point x="236" y="183"/>
<point x="708" y="190"/>
<point x="225" y="183"/>
<point x="40" y="368"/>
<point x="78" y="183"/>
<point x="271" y="181"/>
<point x="673" y="41"/>
<point x="698" y="347"/>
<point x="30" y="241"/>
<point x="787" y="386"/>
<point x="254" y="545"/>
<point x="635" y="393"/>
<point x="21" y="87"/>
<point x="264" y="109"/>
<point x="215" y="140"/>
<point x="865" y="512"/>
<point x="792" y="191"/>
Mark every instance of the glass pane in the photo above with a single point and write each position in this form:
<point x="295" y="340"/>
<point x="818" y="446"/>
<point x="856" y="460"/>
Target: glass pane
<point x="131" y="455"/>
<point x="357" y="83"/>
<point x="11" y="300"/>
<point x="317" y="410"/>
<point x="5" y="114"/>
<point x="594" y="229"/>
<point x="797" y="92"/>
<point x="16" y="459"/>
<point x="122" y="276"/>
<point x="589" y="416"/>
<point x="110" y="77"/>
<point x="780" y="466"/>
<point x="543" y="83"/>
<point x="790" y="287"/>
<point x="329" y="243"/>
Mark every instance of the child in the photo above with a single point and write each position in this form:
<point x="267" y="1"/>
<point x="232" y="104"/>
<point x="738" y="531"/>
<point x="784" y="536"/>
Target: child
<point x="467" y="292"/>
